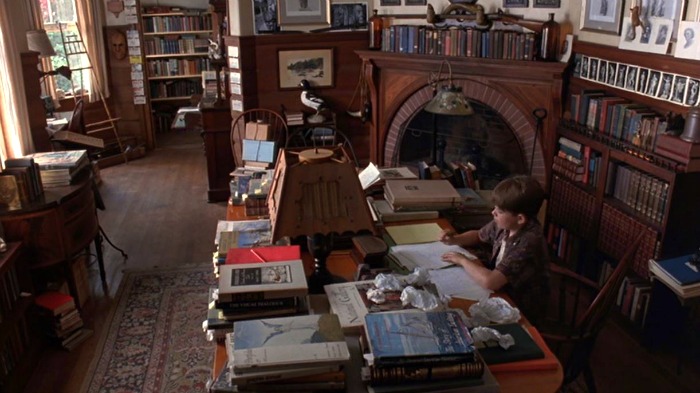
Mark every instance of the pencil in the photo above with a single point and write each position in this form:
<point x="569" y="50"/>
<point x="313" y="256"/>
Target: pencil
<point x="257" y="255"/>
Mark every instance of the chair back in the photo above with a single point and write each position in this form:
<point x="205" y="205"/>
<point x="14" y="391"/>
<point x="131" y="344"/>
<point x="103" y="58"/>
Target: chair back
<point x="277" y="125"/>
<point x="321" y="136"/>
<point x="77" y="120"/>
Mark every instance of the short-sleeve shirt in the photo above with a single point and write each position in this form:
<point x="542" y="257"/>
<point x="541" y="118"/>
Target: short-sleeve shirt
<point x="525" y="263"/>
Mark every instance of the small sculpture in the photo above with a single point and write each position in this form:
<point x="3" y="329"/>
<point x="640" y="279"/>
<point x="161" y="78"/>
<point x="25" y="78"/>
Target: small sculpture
<point x="313" y="101"/>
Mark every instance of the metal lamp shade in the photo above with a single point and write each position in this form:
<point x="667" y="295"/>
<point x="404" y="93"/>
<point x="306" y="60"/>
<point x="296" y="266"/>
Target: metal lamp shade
<point x="449" y="101"/>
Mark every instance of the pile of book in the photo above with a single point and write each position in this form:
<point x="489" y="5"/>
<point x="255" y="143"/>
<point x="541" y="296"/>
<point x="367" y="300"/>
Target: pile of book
<point x="239" y="234"/>
<point x="419" y="194"/>
<point x="295" y="354"/>
<point x="294" y="118"/>
<point x="60" y="168"/>
<point x="257" y="290"/>
<point x="374" y="178"/>
<point x="680" y="274"/>
<point x="61" y="320"/>
<point x="20" y="182"/>
<point x="422" y="352"/>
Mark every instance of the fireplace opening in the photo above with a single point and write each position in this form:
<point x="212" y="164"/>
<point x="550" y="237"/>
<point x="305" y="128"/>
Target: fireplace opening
<point x="484" y="139"/>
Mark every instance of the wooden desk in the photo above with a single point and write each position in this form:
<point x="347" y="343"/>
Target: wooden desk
<point x="57" y="227"/>
<point x="341" y="264"/>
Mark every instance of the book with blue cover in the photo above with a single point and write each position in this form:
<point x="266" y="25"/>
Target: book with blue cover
<point x="679" y="269"/>
<point x="419" y="338"/>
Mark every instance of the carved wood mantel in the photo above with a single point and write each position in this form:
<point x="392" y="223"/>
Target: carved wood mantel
<point x="398" y="86"/>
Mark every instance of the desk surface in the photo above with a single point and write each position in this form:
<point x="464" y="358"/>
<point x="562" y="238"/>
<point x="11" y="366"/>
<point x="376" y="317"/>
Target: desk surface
<point x="340" y="263"/>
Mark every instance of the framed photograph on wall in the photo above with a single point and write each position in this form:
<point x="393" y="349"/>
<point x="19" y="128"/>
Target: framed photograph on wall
<point x="295" y="12"/>
<point x="688" y="46"/>
<point x="265" y="16"/>
<point x="602" y="16"/>
<point x="314" y="65"/>
<point x="515" y="3"/>
<point x="546" y="4"/>
<point x="349" y="15"/>
<point x="665" y="9"/>
<point x="389" y="3"/>
<point x="416" y="2"/>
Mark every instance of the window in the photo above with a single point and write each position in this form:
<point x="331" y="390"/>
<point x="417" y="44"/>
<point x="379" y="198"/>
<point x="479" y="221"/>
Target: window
<point x="59" y="18"/>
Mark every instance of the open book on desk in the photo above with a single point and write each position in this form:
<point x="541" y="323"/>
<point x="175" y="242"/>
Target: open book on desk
<point x="425" y="255"/>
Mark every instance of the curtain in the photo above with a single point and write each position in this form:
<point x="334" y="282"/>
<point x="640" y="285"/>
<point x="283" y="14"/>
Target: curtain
<point x="15" y="134"/>
<point x="90" y="16"/>
<point x="37" y="22"/>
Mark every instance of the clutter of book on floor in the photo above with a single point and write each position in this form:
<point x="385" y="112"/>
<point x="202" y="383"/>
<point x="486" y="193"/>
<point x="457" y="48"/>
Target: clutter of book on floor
<point x="59" y="319"/>
<point x="24" y="179"/>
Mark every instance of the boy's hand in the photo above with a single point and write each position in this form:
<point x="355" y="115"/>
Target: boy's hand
<point x="447" y="236"/>
<point x="455" y="257"/>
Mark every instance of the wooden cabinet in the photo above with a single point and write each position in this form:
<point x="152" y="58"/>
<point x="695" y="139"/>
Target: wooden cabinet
<point x="55" y="229"/>
<point x="216" y="132"/>
<point x="19" y="345"/>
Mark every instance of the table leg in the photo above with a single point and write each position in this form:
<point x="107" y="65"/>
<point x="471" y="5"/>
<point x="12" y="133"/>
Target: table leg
<point x="100" y="260"/>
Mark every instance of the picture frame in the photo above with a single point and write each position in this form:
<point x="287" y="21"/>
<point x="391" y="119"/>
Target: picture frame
<point x="665" y="86"/>
<point x="602" y="16"/>
<point x="299" y="12"/>
<point x="515" y="3"/>
<point x="632" y="73"/>
<point x="612" y="72"/>
<point x="679" y="87"/>
<point x="265" y="16"/>
<point x="314" y="65"/>
<point x="691" y="96"/>
<point x="621" y="76"/>
<point x="585" y="60"/>
<point x="416" y="2"/>
<point x="688" y="43"/>
<point x="389" y="3"/>
<point x="349" y="15"/>
<point x="546" y="4"/>
<point x="666" y="9"/>
<point x="642" y="80"/>
<point x="602" y="76"/>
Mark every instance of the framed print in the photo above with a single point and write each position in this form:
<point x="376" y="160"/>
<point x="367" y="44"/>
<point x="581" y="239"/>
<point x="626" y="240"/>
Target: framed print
<point x="691" y="96"/>
<point x="653" y="84"/>
<point x="642" y="81"/>
<point x="546" y="3"/>
<point x="388" y="3"/>
<point x="314" y="65"/>
<point x="688" y="43"/>
<point x="603" y="16"/>
<point x="631" y="82"/>
<point x="348" y="15"/>
<point x="612" y="70"/>
<point x="265" y="16"/>
<point x="653" y="37"/>
<point x="515" y="3"/>
<point x="666" y="85"/>
<point x="603" y="72"/>
<point x="593" y="69"/>
<point x="585" y="60"/>
<point x="620" y="79"/>
<point x="666" y="9"/>
<point x="295" y="12"/>
<point x="679" y="84"/>
<point x="416" y="2"/>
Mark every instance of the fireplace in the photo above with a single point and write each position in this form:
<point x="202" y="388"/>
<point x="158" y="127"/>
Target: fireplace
<point x="504" y="93"/>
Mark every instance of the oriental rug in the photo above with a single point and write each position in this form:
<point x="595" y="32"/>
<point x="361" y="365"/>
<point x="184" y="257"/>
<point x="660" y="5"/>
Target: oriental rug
<point x="154" y="341"/>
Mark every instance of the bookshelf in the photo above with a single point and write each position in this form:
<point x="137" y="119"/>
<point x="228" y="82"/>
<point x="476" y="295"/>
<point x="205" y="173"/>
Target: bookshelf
<point x="176" y="52"/>
<point x="625" y="186"/>
<point x="19" y="345"/>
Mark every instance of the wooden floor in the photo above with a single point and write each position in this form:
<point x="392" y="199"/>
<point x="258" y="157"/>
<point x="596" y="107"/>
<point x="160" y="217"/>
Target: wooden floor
<point x="157" y="212"/>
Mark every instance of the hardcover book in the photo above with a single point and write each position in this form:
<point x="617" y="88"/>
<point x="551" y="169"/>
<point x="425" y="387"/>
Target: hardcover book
<point x="421" y="191"/>
<point x="524" y="347"/>
<point x="290" y="342"/>
<point x="414" y="233"/>
<point x="388" y="214"/>
<point x="548" y="362"/>
<point x="56" y="303"/>
<point x="259" y="281"/>
<point x="418" y="338"/>
<point x="66" y="159"/>
<point x="262" y="254"/>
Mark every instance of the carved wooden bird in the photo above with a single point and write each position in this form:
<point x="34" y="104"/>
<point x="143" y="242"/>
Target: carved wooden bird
<point x="310" y="99"/>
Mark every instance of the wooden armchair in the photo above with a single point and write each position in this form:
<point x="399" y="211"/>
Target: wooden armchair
<point x="578" y="312"/>
<point x="276" y="122"/>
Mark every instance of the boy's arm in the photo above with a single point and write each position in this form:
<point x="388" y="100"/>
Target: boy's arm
<point x="487" y="278"/>
<point x="464" y="239"/>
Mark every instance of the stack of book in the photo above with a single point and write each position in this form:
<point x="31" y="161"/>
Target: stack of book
<point x="257" y="290"/>
<point x="418" y="194"/>
<point x="680" y="274"/>
<point x="61" y="319"/>
<point x="299" y="353"/>
<point x="20" y="182"/>
<point x="373" y="177"/>
<point x="421" y="352"/>
<point x="294" y="118"/>
<point x="60" y="168"/>
<point x="237" y="234"/>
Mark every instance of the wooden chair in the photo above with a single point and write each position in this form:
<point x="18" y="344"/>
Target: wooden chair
<point x="276" y="122"/>
<point x="321" y="136"/>
<point x="579" y="309"/>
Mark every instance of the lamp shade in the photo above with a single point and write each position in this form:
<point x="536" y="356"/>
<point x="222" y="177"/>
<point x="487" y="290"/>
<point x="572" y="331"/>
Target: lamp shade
<point x="38" y="41"/>
<point x="317" y="191"/>
<point x="449" y="100"/>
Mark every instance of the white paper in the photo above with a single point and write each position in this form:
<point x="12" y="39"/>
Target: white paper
<point x="425" y="255"/>
<point x="369" y="176"/>
<point x="455" y="282"/>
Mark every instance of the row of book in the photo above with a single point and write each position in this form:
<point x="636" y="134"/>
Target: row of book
<point x="633" y="297"/>
<point x="572" y="208"/>
<point x="13" y="347"/>
<point x="175" y="45"/>
<point x="176" y="23"/>
<point x="180" y="88"/>
<point x="577" y="162"/>
<point x="617" y="117"/>
<point x="171" y="67"/>
<point x="643" y="193"/>
<point x="60" y="319"/>
<point x="20" y="182"/>
<point x="294" y="118"/>
<point x="469" y="42"/>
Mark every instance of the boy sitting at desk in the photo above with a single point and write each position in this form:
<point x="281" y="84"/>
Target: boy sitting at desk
<point x="519" y="259"/>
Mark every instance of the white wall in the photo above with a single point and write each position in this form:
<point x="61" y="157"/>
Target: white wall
<point x="113" y="20"/>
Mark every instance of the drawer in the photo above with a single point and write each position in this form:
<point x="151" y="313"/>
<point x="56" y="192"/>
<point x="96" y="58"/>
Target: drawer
<point x="74" y="206"/>
<point x="79" y="232"/>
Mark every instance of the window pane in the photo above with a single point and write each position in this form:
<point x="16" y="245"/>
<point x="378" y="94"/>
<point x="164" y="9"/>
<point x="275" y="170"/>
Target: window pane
<point x="53" y="11"/>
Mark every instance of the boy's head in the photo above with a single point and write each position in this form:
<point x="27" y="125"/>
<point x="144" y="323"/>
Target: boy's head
<point x="519" y="194"/>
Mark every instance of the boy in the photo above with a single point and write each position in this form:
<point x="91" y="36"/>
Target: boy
<point x="519" y="262"/>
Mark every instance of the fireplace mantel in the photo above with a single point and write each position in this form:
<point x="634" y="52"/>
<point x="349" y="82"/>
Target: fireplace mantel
<point x="398" y="86"/>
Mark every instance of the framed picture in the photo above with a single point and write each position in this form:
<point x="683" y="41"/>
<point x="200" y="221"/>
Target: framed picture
<point x="679" y="85"/>
<point x="666" y="85"/>
<point x="387" y="3"/>
<point x="620" y="79"/>
<point x="653" y="84"/>
<point x="585" y="60"/>
<point x="631" y="82"/>
<point x="265" y="16"/>
<point x="653" y="37"/>
<point x="612" y="71"/>
<point x="593" y="69"/>
<point x="688" y="45"/>
<point x="296" y="12"/>
<point x="314" y="65"/>
<point x="546" y="3"/>
<point x="416" y="2"/>
<point x="348" y="15"/>
<point x="665" y="9"/>
<point x="642" y="80"/>
<point x="603" y="16"/>
<point x="603" y="72"/>
<point x="691" y="97"/>
<point x="515" y="3"/>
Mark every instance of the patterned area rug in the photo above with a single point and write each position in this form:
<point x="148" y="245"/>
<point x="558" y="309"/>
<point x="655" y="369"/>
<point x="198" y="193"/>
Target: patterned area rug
<point x="155" y="342"/>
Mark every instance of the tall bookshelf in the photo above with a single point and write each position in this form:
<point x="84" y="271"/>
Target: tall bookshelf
<point x="631" y="187"/>
<point x="175" y="47"/>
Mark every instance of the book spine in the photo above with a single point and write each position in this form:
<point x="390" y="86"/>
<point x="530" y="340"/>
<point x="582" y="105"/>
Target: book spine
<point x="393" y="375"/>
<point x="423" y="361"/>
<point x="269" y="303"/>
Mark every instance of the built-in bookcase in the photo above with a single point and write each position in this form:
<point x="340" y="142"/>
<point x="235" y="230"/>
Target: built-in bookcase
<point x="609" y="183"/>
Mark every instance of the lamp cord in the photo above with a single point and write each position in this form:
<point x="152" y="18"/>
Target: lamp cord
<point x="540" y="114"/>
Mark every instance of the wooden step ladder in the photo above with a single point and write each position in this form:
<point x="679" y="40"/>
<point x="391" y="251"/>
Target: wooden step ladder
<point x="78" y="60"/>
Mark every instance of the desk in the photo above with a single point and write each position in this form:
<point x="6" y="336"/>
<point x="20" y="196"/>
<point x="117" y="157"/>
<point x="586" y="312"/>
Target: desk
<point x="56" y="227"/>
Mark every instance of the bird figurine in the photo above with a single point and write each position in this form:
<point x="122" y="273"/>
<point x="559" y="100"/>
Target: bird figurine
<point x="313" y="101"/>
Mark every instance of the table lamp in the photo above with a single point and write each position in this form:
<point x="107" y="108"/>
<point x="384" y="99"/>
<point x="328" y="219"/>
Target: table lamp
<point x="316" y="193"/>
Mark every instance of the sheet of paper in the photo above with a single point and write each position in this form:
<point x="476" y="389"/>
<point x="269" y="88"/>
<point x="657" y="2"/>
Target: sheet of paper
<point x="414" y="233"/>
<point x="425" y="255"/>
<point x="455" y="282"/>
<point x="368" y="176"/>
